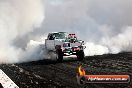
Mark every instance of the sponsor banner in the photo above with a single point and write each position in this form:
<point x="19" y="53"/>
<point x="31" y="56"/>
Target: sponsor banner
<point x="82" y="78"/>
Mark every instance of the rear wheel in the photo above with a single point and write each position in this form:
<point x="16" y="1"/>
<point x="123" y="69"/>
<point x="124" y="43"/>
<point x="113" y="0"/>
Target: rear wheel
<point x="80" y="55"/>
<point x="59" y="55"/>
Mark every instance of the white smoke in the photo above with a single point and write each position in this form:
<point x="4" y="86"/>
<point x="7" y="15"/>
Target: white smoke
<point x="35" y="50"/>
<point x="92" y="49"/>
<point x="120" y="42"/>
<point x="17" y="18"/>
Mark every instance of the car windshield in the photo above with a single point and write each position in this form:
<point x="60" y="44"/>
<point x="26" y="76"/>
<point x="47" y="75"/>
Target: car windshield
<point x="60" y="35"/>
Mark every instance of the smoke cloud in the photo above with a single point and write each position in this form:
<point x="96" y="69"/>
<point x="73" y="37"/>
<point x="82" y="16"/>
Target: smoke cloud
<point x="17" y="18"/>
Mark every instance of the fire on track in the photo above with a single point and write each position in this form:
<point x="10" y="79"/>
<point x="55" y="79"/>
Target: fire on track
<point x="50" y="74"/>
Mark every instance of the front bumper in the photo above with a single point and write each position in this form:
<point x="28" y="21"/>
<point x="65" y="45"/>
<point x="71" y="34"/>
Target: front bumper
<point x="70" y="51"/>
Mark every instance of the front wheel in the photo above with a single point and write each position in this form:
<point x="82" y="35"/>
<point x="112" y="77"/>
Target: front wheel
<point x="59" y="55"/>
<point x="80" y="55"/>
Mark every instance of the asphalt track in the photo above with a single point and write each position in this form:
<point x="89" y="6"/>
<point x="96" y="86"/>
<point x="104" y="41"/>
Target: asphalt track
<point x="51" y="74"/>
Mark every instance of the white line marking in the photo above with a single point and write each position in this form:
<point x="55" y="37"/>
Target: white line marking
<point x="6" y="81"/>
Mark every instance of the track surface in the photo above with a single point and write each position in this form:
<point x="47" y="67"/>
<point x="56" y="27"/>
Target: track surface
<point x="50" y="74"/>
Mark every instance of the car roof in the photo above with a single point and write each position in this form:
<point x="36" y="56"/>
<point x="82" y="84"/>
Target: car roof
<point x="56" y="32"/>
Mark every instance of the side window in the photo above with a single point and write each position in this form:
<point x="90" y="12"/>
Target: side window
<point x="51" y="37"/>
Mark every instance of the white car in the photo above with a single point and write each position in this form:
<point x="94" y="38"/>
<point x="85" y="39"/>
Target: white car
<point x="64" y="44"/>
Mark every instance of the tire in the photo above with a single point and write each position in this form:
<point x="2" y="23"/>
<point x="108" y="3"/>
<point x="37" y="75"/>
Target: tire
<point x="80" y="55"/>
<point x="59" y="56"/>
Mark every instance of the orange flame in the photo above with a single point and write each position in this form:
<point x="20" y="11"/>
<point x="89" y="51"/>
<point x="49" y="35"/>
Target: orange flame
<point x="81" y="71"/>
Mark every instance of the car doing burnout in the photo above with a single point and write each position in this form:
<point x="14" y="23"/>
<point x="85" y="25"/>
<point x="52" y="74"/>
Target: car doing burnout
<point x="64" y="44"/>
